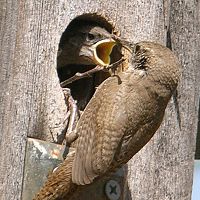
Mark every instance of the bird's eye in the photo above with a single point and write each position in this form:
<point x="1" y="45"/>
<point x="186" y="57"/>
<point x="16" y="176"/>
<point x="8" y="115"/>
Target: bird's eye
<point x="90" y="36"/>
<point x="137" y="48"/>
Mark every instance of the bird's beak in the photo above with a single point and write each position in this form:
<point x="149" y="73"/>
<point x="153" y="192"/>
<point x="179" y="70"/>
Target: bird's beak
<point x="102" y="51"/>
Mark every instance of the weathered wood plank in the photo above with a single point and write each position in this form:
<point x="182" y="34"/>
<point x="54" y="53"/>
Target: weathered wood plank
<point x="163" y="168"/>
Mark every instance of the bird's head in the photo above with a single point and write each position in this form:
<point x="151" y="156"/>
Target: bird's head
<point x="97" y="45"/>
<point x="156" y="63"/>
<point x="88" y="45"/>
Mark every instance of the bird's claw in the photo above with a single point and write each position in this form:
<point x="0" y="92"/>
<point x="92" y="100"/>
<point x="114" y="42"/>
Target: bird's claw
<point x="73" y="112"/>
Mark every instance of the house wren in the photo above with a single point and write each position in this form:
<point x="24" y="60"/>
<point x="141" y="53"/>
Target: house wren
<point x="121" y="117"/>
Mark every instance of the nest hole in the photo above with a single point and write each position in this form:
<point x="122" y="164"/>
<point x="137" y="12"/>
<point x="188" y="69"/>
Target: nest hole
<point x="82" y="90"/>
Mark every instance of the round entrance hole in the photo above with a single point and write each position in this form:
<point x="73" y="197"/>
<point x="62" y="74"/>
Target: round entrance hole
<point x="69" y="61"/>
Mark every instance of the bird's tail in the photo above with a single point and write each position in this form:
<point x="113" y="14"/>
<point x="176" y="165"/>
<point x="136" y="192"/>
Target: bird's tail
<point x="59" y="184"/>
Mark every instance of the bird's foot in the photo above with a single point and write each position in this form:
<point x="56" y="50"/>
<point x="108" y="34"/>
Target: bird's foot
<point x="69" y="139"/>
<point x="73" y="110"/>
<point x="72" y="115"/>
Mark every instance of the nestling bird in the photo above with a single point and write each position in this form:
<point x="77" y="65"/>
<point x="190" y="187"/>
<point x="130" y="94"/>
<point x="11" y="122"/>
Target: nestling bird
<point x="85" y="44"/>
<point x="122" y="116"/>
<point x="82" y="47"/>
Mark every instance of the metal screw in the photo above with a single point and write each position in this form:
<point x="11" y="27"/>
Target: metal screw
<point x="113" y="190"/>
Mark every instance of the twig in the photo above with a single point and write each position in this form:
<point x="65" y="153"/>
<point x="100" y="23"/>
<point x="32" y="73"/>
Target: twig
<point x="88" y="73"/>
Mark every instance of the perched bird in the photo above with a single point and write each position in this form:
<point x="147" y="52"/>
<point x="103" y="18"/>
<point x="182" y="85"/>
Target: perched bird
<point x="125" y="112"/>
<point x="122" y="116"/>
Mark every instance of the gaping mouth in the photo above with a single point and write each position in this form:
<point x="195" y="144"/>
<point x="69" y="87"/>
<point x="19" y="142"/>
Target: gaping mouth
<point x="102" y="51"/>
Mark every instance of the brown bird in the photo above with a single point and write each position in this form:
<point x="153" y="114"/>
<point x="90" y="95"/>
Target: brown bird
<point x="85" y="44"/>
<point x="82" y="47"/>
<point x="122" y="116"/>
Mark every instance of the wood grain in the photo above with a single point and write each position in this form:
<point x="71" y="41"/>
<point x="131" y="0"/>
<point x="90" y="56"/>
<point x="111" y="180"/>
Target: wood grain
<point x="32" y="103"/>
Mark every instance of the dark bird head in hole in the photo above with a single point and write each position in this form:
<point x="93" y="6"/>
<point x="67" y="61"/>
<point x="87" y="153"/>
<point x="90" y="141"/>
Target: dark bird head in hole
<point x="82" y="47"/>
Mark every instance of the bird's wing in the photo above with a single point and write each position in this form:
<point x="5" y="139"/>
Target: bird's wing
<point x="98" y="135"/>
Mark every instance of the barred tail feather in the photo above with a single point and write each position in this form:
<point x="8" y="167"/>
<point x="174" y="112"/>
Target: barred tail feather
<point x="59" y="184"/>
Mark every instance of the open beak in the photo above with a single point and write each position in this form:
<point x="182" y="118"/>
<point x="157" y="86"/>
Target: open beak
<point x="102" y="51"/>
